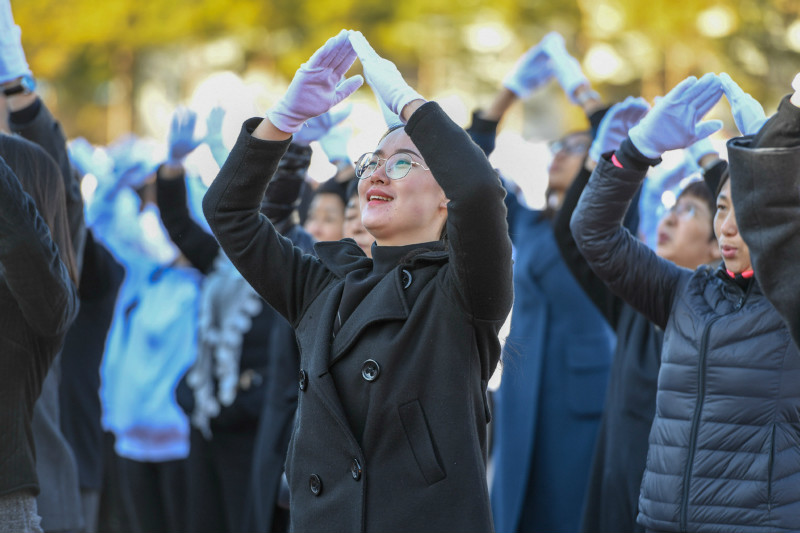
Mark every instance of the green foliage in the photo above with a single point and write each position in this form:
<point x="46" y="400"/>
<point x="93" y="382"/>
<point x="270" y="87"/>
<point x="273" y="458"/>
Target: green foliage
<point x="80" y="45"/>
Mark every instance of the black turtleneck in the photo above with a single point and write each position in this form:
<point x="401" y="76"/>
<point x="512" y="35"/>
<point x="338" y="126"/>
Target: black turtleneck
<point x="359" y="282"/>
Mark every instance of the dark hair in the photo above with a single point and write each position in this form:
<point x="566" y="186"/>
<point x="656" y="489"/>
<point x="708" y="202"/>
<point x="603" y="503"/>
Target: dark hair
<point x="352" y="188"/>
<point x="333" y="187"/>
<point x="41" y="178"/>
<point x="722" y="179"/>
<point x="392" y="128"/>
<point x="700" y="190"/>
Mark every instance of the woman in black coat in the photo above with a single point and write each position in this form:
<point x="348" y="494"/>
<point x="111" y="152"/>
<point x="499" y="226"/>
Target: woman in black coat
<point x="38" y="301"/>
<point x="724" y="447"/>
<point x="396" y="351"/>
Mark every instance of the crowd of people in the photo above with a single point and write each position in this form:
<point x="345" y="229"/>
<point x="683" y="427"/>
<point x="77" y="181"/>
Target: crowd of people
<point x="269" y="354"/>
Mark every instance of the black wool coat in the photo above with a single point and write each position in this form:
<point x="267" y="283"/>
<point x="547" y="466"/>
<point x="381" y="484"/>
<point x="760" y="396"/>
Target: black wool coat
<point x="425" y="338"/>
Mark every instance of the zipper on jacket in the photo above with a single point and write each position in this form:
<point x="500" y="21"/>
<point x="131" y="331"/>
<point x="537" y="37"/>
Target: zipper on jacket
<point x="701" y="392"/>
<point x="771" y="465"/>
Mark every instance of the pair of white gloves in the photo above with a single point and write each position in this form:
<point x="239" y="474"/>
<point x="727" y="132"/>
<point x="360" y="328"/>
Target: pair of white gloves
<point x="676" y="119"/>
<point x="319" y="84"/>
<point x="542" y="62"/>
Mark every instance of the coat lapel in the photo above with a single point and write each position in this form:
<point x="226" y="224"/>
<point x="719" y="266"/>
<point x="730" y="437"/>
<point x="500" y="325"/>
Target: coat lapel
<point x="385" y="302"/>
<point x="318" y="360"/>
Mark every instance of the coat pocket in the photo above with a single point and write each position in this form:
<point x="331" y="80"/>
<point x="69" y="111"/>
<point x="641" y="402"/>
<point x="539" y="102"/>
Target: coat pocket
<point x="588" y="364"/>
<point x="419" y="438"/>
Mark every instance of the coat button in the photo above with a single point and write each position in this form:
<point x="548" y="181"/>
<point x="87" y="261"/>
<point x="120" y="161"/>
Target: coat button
<point x="355" y="469"/>
<point x="370" y="370"/>
<point x="406" y="278"/>
<point x="315" y="484"/>
<point x="303" y="380"/>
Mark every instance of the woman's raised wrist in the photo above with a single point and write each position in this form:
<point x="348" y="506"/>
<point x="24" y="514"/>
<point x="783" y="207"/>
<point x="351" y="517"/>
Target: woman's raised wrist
<point x="409" y="109"/>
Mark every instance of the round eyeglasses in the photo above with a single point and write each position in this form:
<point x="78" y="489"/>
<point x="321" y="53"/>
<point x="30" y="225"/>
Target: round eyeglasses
<point x="571" y="147"/>
<point x="397" y="165"/>
<point x="686" y="211"/>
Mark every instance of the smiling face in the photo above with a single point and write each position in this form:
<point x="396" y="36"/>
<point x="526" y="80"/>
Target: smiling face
<point x="685" y="234"/>
<point x="735" y="252"/>
<point x="405" y="211"/>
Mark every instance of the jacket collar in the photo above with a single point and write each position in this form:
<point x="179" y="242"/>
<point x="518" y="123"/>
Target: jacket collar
<point x="388" y="300"/>
<point x="341" y="257"/>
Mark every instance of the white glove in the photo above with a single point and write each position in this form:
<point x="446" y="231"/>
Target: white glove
<point x="566" y="68"/>
<point x="317" y="86"/>
<point x="382" y="75"/>
<point x="12" y="57"/>
<point x="532" y="70"/>
<point x="747" y="112"/>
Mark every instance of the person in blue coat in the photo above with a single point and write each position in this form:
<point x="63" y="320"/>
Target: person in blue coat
<point x="557" y="355"/>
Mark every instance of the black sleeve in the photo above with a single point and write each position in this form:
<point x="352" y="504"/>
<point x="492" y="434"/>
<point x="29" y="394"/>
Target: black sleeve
<point x="765" y="185"/>
<point x="480" y="249"/>
<point x="632" y="270"/>
<point x="595" y="288"/>
<point x="281" y="273"/>
<point x="199" y="247"/>
<point x="30" y="263"/>
<point x="38" y="125"/>
<point x="284" y="188"/>
<point x="483" y="132"/>
<point x="100" y="274"/>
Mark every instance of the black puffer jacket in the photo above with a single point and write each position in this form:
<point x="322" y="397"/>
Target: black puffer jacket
<point x="724" y="449"/>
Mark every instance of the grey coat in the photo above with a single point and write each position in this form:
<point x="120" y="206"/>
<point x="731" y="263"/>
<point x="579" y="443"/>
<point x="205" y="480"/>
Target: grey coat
<point x="422" y="344"/>
<point x="724" y="450"/>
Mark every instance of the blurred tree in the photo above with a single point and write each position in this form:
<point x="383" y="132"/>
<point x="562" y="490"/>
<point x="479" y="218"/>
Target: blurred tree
<point x="95" y="54"/>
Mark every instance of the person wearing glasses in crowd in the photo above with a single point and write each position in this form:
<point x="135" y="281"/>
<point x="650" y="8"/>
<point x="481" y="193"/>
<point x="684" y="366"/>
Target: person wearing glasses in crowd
<point x="558" y="351"/>
<point x="395" y="351"/>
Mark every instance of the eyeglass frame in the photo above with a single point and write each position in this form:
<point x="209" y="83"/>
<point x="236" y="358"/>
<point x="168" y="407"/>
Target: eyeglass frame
<point x="385" y="160"/>
<point x="561" y="145"/>
<point x="682" y="210"/>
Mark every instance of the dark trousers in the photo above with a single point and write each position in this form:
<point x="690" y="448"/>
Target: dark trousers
<point x="157" y="495"/>
<point x="113" y="515"/>
<point x="218" y="479"/>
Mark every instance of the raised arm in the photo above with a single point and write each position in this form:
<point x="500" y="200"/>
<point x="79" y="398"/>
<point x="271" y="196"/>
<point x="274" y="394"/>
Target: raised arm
<point x="282" y="274"/>
<point x="199" y="247"/>
<point x="30" y="263"/>
<point x="765" y="185"/>
<point x="30" y="118"/>
<point x="628" y="266"/>
<point x="612" y="130"/>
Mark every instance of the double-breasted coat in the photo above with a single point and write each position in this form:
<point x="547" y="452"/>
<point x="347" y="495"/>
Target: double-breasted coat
<point x="422" y="345"/>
